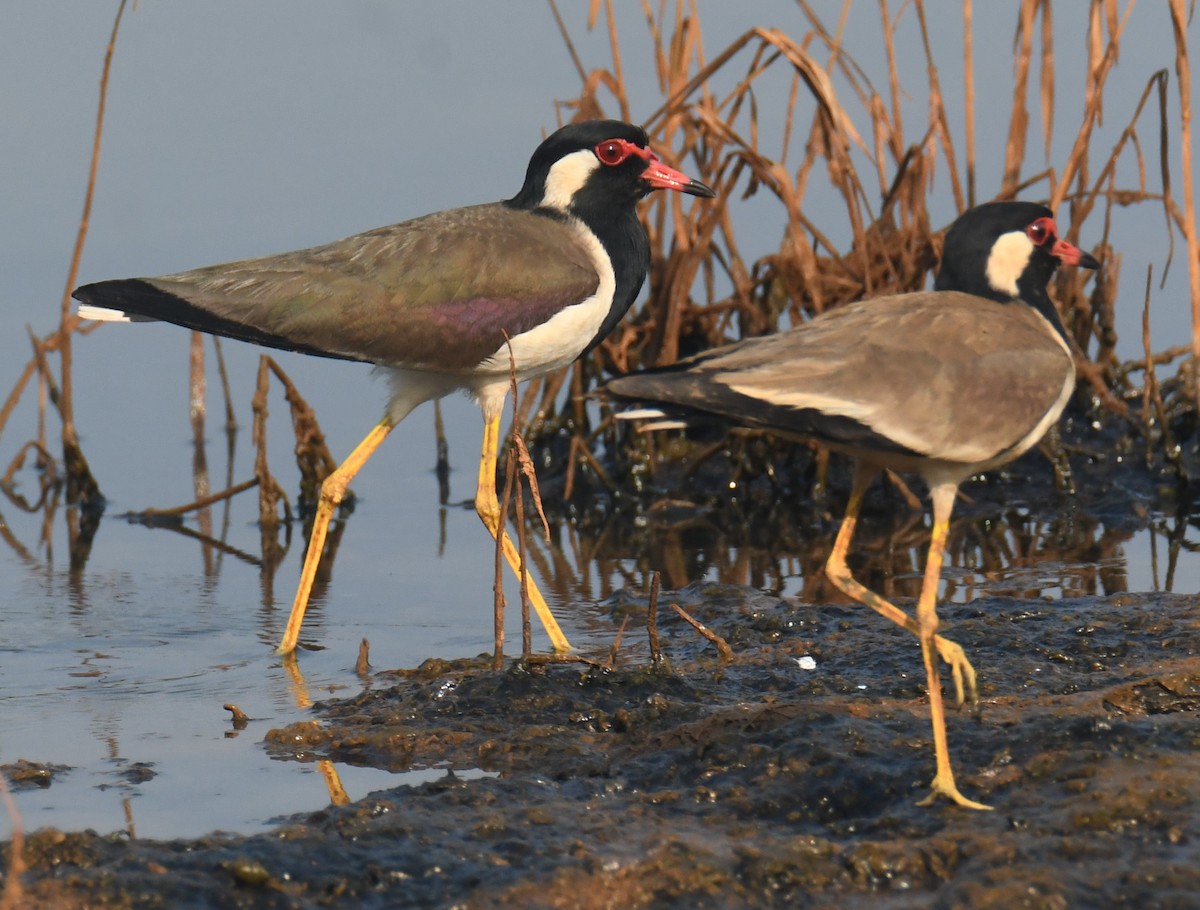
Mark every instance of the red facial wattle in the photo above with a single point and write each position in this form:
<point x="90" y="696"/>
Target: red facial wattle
<point x="659" y="176"/>
<point x="1044" y="233"/>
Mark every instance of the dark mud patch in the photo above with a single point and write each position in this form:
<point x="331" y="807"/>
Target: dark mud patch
<point x="787" y="777"/>
<point x="29" y="775"/>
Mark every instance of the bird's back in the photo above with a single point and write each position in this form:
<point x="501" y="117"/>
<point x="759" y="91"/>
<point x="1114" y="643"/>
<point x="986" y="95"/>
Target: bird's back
<point x="877" y="377"/>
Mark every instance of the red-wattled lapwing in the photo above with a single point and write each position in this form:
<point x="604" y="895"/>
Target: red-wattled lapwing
<point x="438" y="301"/>
<point x="944" y="384"/>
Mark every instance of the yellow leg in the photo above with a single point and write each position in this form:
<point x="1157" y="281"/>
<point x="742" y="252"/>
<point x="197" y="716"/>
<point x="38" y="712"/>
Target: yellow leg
<point x="838" y="572"/>
<point x="487" y="505"/>
<point x="943" y="781"/>
<point x="333" y="490"/>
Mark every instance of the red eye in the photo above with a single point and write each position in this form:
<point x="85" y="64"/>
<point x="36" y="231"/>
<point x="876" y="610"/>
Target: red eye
<point x="613" y="151"/>
<point x="1041" y="231"/>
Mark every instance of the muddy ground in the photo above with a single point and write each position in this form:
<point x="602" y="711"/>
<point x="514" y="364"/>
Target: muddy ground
<point x="788" y="776"/>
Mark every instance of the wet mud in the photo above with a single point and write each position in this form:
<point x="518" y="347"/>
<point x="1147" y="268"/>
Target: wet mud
<point x="788" y="776"/>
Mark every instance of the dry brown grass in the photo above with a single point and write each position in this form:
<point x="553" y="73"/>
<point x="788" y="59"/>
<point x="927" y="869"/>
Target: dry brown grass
<point x="707" y="287"/>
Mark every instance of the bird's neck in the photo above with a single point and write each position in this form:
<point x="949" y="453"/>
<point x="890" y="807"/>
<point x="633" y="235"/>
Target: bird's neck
<point x="624" y="240"/>
<point x="1031" y="288"/>
<point x="1031" y="291"/>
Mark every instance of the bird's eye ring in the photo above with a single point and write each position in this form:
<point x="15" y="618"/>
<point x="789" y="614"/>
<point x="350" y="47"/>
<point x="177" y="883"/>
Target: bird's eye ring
<point x="612" y="151"/>
<point x="1041" y="231"/>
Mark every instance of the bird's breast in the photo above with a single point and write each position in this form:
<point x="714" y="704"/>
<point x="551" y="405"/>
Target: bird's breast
<point x="558" y="340"/>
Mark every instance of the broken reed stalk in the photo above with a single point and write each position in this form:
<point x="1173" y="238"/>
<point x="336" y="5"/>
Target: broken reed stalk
<point x="723" y="649"/>
<point x="614" y="649"/>
<point x="237" y="716"/>
<point x="201" y="503"/>
<point x="656" y="655"/>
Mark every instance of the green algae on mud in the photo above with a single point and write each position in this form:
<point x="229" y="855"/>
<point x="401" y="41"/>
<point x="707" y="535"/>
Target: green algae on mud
<point x="757" y="783"/>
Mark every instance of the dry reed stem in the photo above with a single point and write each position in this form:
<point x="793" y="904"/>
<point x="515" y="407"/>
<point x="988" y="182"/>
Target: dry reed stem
<point x="498" y="602"/>
<point x="656" y="654"/>
<point x="938" y="120"/>
<point x="1047" y="77"/>
<point x="614" y="649"/>
<point x="1152" y="393"/>
<point x="200" y="503"/>
<point x="525" y="462"/>
<point x="799" y="279"/>
<point x="313" y="457"/>
<point x="723" y="649"/>
<point x="526" y="629"/>
<point x="237" y="716"/>
<point x="226" y="396"/>
<point x="1077" y="158"/>
<point x="81" y="485"/>
<point x="969" y="96"/>
<point x="362" y="665"/>
<point x="1018" y="124"/>
<point x="47" y="345"/>
<point x="18" y="462"/>
<point x="269" y="491"/>
<point x="1183" y="75"/>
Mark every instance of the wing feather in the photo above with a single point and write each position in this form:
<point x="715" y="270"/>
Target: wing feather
<point x="436" y="293"/>
<point x="877" y="375"/>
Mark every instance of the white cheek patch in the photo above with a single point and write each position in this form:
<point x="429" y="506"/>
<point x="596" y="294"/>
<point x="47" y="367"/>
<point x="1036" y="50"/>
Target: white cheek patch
<point x="566" y="177"/>
<point x="1007" y="260"/>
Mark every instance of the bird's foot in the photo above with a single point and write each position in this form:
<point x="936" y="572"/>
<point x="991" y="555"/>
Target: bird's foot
<point x="960" y="669"/>
<point x="945" y="786"/>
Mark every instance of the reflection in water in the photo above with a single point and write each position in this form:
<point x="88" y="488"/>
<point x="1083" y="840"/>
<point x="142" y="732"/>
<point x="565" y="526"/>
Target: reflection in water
<point x="763" y="537"/>
<point x="754" y="534"/>
<point x="300" y="692"/>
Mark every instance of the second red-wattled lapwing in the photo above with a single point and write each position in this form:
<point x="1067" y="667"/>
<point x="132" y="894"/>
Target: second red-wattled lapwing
<point x="437" y="301"/>
<point x="943" y="384"/>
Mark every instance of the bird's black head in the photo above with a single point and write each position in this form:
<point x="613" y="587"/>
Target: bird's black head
<point x="1003" y="250"/>
<point x="597" y="166"/>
